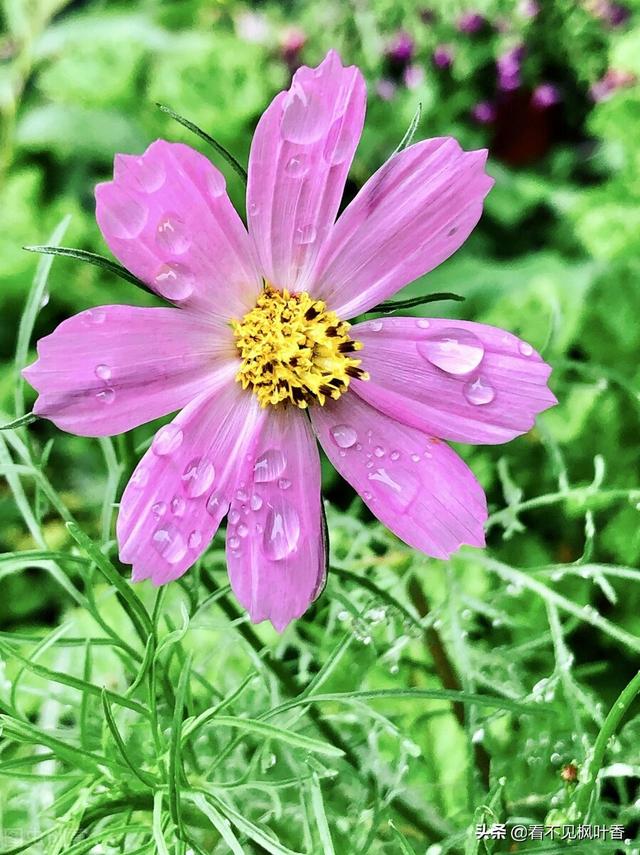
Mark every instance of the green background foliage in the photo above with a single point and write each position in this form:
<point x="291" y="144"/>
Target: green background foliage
<point x="417" y="698"/>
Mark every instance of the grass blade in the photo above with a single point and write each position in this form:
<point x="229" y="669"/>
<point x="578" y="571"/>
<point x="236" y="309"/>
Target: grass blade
<point x="142" y="776"/>
<point x="175" y="749"/>
<point x="407" y="139"/>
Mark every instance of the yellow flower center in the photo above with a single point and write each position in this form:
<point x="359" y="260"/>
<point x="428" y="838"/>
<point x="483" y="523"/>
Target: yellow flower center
<point x="294" y="349"/>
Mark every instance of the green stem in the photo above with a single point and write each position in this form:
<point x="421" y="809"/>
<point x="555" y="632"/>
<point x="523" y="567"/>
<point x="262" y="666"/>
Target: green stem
<point x="585" y="792"/>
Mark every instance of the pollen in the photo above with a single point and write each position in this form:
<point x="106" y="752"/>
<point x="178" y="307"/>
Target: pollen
<point x="294" y="350"/>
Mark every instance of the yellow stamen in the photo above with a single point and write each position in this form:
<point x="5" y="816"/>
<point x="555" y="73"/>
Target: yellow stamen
<point x="293" y="349"/>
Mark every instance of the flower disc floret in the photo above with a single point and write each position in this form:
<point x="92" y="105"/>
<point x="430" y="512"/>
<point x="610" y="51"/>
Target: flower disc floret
<point x="294" y="349"/>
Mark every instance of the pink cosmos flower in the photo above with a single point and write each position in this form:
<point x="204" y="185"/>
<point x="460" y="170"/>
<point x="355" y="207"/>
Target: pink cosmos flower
<point x="259" y="358"/>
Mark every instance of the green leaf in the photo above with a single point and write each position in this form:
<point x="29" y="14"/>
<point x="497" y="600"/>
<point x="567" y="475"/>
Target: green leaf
<point x="142" y="776"/>
<point x="405" y="849"/>
<point x="411" y="130"/>
<point x="222" y="151"/>
<point x="158" y="835"/>
<point x="175" y="748"/>
<point x="98" y="261"/>
<point x="394" y="305"/>
<point x="21" y="421"/>
<point x="319" y="813"/>
<point x="219" y="823"/>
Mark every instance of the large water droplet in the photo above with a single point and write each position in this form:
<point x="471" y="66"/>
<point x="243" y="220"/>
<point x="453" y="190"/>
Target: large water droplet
<point x="103" y="372"/>
<point x="344" y="436"/>
<point x="423" y="323"/>
<point x="455" y="351"/>
<point x="304" y="120"/>
<point x="305" y="234"/>
<point x="174" y="281"/>
<point x="167" y="440"/>
<point x="106" y="396"/>
<point x="172" y="234"/>
<point x="269" y="466"/>
<point x="178" y="505"/>
<point x="124" y="218"/>
<point x="375" y="326"/>
<point x="146" y="174"/>
<point x="281" y="533"/>
<point x="195" y="539"/>
<point x="256" y="502"/>
<point x="243" y="530"/>
<point x="297" y="166"/>
<point x="213" y="504"/>
<point x="398" y="487"/>
<point x="198" y="477"/>
<point x="159" y="509"/>
<point x="169" y="543"/>
<point x="479" y="392"/>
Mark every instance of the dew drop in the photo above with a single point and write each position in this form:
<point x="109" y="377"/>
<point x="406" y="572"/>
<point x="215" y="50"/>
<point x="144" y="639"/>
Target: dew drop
<point x="423" y="323"/>
<point x="178" y="505"/>
<point x="172" y="235"/>
<point x="124" y="218"/>
<point x="415" y="457"/>
<point x="297" y="166"/>
<point x="216" y="183"/>
<point x="167" y="440"/>
<point x="103" y="372"/>
<point x="241" y="496"/>
<point x="395" y="455"/>
<point x="344" y="436"/>
<point x="284" y="483"/>
<point x="169" y="544"/>
<point x="234" y="542"/>
<point x="195" y="539"/>
<point x="525" y="348"/>
<point x="305" y="234"/>
<point x="256" y="502"/>
<point x="140" y="476"/>
<point x="106" y="396"/>
<point x="234" y="516"/>
<point x="149" y="174"/>
<point x="378" y="451"/>
<point x="198" y="477"/>
<point x="375" y="326"/>
<point x="94" y="316"/>
<point x="282" y="532"/>
<point x="243" y="530"/>
<point x="268" y="466"/>
<point x="213" y="504"/>
<point x="159" y="509"/>
<point x="254" y="209"/>
<point x="479" y="392"/>
<point x="399" y="488"/>
<point x="174" y="281"/>
<point x="454" y="351"/>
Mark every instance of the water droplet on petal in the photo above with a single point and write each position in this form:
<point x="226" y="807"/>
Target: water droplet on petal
<point x="395" y="455"/>
<point x="415" y="458"/>
<point x="140" y="476"/>
<point x="399" y="488"/>
<point x="375" y="326"/>
<point x="169" y="544"/>
<point x="455" y="351"/>
<point x="213" y="504"/>
<point x="242" y="530"/>
<point x="479" y="392"/>
<point x="378" y="451"/>
<point x="234" y="516"/>
<point x="106" y="396"/>
<point x="423" y="323"/>
<point x="303" y="120"/>
<point x="297" y="166"/>
<point x="254" y="209"/>
<point x="305" y="234"/>
<point x="282" y="532"/>
<point x="344" y="436"/>
<point x="178" y="505"/>
<point x="172" y="234"/>
<point x="103" y="372"/>
<point x="216" y="183"/>
<point x="198" y="477"/>
<point x="525" y="348"/>
<point x="256" y="502"/>
<point x="241" y="496"/>
<point x="149" y="175"/>
<point x="174" y="281"/>
<point x="233" y="542"/>
<point x="269" y="466"/>
<point x="167" y="440"/>
<point x="124" y="218"/>
<point x="284" y="483"/>
<point x="159" y="509"/>
<point x="195" y="539"/>
<point x="94" y="316"/>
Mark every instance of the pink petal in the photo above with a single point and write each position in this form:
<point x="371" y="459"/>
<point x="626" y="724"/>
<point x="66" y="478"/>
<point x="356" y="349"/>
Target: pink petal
<point x="300" y="156"/>
<point x="456" y="380"/>
<point x="182" y="487"/>
<point x="411" y="215"/>
<point x="109" y="369"/>
<point x="275" y="544"/>
<point x="167" y="217"/>
<point x="416" y="485"/>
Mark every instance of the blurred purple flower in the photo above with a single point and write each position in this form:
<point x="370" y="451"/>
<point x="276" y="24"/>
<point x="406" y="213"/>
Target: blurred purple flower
<point x="386" y="89"/>
<point x="613" y="80"/>
<point x="471" y="22"/>
<point x="509" y="65"/>
<point x="484" y="112"/>
<point x="413" y="76"/>
<point x="400" y="50"/>
<point x="612" y="13"/>
<point x="291" y="43"/>
<point x="546" y="95"/>
<point x="443" y="56"/>
<point x="529" y="8"/>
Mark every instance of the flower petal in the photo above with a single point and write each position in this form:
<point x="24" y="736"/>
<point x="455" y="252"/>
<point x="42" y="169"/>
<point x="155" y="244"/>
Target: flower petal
<point x="182" y="487"/>
<point x="411" y="215"/>
<point x="457" y="380"/>
<point x="275" y="542"/>
<point x="109" y="369"/>
<point x="300" y="156"/>
<point x="417" y="486"/>
<point x="167" y="217"/>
